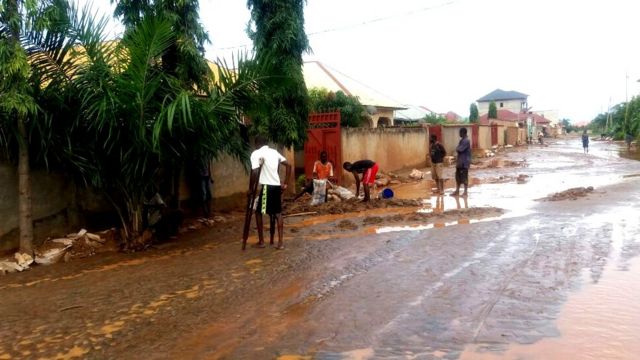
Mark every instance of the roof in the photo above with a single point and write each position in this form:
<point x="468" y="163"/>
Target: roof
<point x="452" y="116"/>
<point x="507" y="115"/>
<point x="319" y="75"/>
<point x="412" y="112"/>
<point x="499" y="94"/>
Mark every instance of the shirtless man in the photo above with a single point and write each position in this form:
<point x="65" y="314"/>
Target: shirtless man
<point x="368" y="169"/>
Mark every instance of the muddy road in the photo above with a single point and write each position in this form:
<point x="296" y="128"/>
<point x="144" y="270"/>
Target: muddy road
<point x="504" y="274"/>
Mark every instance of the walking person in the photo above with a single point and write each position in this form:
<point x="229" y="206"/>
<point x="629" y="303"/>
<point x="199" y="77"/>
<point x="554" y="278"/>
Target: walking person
<point x="463" y="163"/>
<point x="628" y="139"/>
<point x="368" y="169"/>
<point x="205" y="181"/>
<point x="265" y="163"/>
<point x="585" y="141"/>
<point x="437" y="154"/>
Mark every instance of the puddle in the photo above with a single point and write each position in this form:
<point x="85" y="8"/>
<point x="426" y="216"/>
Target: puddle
<point x="600" y="321"/>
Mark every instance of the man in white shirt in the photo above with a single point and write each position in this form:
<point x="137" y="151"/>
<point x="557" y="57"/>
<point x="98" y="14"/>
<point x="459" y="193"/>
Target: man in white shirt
<point x="265" y="163"/>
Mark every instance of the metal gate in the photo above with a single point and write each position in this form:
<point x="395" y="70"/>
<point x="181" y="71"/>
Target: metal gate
<point x="323" y="134"/>
<point x="494" y="134"/>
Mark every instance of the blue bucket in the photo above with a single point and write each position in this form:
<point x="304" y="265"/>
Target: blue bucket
<point x="387" y="193"/>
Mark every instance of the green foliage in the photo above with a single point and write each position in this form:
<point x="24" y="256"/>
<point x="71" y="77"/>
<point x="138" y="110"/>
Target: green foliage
<point x="568" y="127"/>
<point x="434" y="118"/>
<point x="473" y="113"/>
<point x="622" y="118"/>
<point x="493" y="111"/>
<point x="277" y="31"/>
<point x="184" y="58"/>
<point x="352" y="112"/>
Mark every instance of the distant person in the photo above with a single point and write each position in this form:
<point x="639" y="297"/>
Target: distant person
<point x="540" y="137"/>
<point x="628" y="139"/>
<point x="322" y="170"/>
<point x="204" y="182"/>
<point x="368" y="169"/>
<point x="266" y="162"/>
<point x="585" y="142"/>
<point x="463" y="163"/>
<point x="437" y="154"/>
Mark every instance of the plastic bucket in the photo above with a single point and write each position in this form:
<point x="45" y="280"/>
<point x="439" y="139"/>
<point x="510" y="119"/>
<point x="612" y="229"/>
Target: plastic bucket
<point x="387" y="193"/>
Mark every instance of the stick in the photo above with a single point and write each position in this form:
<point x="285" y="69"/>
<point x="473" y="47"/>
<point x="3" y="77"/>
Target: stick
<point x="249" y="211"/>
<point x="301" y="214"/>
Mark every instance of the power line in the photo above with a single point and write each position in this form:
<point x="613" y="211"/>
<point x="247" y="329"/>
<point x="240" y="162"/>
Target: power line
<point x="364" y="23"/>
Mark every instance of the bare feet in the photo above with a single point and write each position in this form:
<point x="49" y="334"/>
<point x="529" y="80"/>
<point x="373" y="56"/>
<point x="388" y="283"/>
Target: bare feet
<point x="464" y="194"/>
<point x="455" y="193"/>
<point x="280" y="247"/>
<point x="258" y="246"/>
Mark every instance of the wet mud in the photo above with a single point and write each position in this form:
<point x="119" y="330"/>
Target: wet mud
<point x="495" y="275"/>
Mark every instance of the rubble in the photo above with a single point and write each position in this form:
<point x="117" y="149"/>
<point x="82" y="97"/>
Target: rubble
<point x="416" y="174"/>
<point x="570" y="194"/>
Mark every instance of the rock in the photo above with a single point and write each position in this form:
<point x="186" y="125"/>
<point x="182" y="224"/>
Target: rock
<point x="51" y="256"/>
<point x="94" y="237"/>
<point x="384" y="181"/>
<point x="449" y="160"/>
<point x="23" y="259"/>
<point x="7" y="266"/>
<point x="395" y="182"/>
<point x="416" y="174"/>
<point x="63" y="241"/>
<point x="219" y="219"/>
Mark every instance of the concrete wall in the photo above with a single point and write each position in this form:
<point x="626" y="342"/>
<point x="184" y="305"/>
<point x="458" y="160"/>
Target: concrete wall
<point x="451" y="137"/>
<point x="392" y="148"/>
<point x="382" y="112"/>
<point x="52" y="196"/>
<point x="484" y="137"/>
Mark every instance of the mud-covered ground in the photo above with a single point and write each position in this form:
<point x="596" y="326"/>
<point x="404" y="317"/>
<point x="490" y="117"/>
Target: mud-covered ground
<point x="491" y="275"/>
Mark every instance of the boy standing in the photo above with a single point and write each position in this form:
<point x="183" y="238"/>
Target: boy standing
<point x="437" y="153"/>
<point x="266" y="162"/>
<point x="585" y="141"/>
<point x="463" y="163"/>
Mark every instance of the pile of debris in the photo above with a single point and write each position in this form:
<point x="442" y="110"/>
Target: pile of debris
<point x="74" y="246"/>
<point x="345" y="206"/>
<point x="570" y="194"/>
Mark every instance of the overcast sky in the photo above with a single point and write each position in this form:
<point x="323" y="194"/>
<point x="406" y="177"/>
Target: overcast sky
<point x="568" y="55"/>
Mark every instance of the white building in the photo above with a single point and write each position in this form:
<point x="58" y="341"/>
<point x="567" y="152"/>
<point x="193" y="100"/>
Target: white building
<point x="508" y="100"/>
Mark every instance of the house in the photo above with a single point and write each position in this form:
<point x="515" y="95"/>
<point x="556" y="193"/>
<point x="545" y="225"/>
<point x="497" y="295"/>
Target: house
<point x="412" y="114"/>
<point x="508" y="100"/>
<point x="381" y="108"/>
<point x="452" y="117"/>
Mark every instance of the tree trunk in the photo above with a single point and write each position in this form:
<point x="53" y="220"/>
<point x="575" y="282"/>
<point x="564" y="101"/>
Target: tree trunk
<point x="25" y="213"/>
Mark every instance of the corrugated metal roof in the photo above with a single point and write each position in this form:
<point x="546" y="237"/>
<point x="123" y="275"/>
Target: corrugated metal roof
<point x="319" y="75"/>
<point x="499" y="94"/>
<point x="413" y="112"/>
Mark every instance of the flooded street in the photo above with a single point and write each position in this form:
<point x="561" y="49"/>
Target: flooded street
<point x="503" y="274"/>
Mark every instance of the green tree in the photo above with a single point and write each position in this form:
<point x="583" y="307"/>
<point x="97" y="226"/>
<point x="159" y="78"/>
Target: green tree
<point x="352" y="112"/>
<point x="566" y="123"/>
<point x="435" y="119"/>
<point x="473" y="113"/>
<point x="134" y="115"/>
<point x="277" y="31"/>
<point x="493" y="111"/>
<point x="34" y="44"/>
<point x="185" y="56"/>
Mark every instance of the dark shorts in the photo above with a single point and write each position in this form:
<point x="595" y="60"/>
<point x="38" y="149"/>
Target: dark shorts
<point x="270" y="200"/>
<point x="462" y="176"/>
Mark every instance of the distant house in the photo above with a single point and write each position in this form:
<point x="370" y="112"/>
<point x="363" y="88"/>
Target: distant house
<point x="379" y="107"/>
<point x="508" y="100"/>
<point x="452" y="117"/>
<point x="412" y="114"/>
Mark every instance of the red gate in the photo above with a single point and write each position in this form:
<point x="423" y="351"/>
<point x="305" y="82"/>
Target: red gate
<point x="437" y="131"/>
<point x="494" y="134"/>
<point x="323" y="134"/>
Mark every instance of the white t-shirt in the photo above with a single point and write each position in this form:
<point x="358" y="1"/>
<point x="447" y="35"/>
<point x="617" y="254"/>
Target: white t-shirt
<point x="270" y="160"/>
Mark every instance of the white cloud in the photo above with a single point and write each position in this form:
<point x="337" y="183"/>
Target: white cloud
<point x="568" y="55"/>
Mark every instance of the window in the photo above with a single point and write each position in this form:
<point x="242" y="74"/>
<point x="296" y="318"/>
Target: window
<point x="501" y="104"/>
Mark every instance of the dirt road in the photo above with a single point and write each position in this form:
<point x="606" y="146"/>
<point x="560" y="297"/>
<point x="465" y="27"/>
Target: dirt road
<point x="502" y="274"/>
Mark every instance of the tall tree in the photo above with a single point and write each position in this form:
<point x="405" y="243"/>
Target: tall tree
<point x="493" y="111"/>
<point x="185" y="57"/>
<point x="352" y="112"/>
<point x="473" y="113"/>
<point x="277" y="31"/>
<point x="33" y="64"/>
